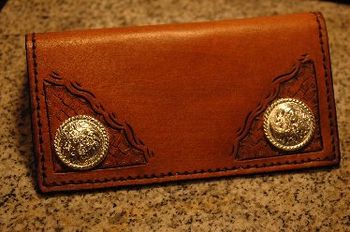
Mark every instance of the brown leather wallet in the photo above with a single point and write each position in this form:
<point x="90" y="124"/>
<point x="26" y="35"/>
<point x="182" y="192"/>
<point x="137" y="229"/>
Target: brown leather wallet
<point x="151" y="104"/>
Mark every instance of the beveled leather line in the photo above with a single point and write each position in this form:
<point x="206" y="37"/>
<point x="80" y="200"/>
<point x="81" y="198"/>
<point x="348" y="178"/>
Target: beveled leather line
<point x="37" y="99"/>
<point x="329" y="86"/>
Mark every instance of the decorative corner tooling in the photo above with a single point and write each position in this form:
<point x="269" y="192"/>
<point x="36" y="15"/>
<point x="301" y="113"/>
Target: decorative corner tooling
<point x="299" y="83"/>
<point x="65" y="99"/>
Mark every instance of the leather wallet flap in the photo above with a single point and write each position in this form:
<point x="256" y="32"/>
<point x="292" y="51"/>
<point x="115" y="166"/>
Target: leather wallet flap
<point x="181" y="101"/>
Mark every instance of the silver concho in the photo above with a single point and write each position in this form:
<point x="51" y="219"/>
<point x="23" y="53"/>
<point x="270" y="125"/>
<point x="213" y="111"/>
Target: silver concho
<point x="289" y="124"/>
<point x="81" y="142"/>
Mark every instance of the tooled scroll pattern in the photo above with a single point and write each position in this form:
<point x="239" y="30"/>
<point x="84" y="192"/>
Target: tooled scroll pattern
<point x="66" y="99"/>
<point x="299" y="83"/>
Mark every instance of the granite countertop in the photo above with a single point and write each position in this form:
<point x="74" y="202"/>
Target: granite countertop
<point x="313" y="200"/>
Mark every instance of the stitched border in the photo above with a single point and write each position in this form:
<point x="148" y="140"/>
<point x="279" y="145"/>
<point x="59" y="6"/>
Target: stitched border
<point x="330" y="115"/>
<point x="37" y="99"/>
<point x="163" y="175"/>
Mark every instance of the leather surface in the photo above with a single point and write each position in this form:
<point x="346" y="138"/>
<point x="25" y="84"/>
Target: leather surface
<point x="181" y="101"/>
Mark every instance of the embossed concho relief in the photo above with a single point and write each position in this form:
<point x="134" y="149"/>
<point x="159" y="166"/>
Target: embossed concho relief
<point x="299" y="83"/>
<point x="289" y="124"/>
<point x="81" y="142"/>
<point x="107" y="142"/>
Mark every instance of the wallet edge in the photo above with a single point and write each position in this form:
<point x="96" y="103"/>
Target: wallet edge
<point x="30" y="45"/>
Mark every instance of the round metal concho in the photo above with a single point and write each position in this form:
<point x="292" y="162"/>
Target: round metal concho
<point x="81" y="142"/>
<point x="289" y="124"/>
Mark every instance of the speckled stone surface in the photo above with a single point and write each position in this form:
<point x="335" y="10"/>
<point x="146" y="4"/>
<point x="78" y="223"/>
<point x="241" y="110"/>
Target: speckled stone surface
<point x="315" y="200"/>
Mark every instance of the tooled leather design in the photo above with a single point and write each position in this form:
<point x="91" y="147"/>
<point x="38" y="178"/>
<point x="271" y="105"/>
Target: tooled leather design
<point x="299" y="83"/>
<point x="101" y="181"/>
<point x="65" y="99"/>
